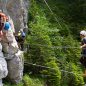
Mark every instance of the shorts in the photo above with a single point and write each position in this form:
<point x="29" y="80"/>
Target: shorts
<point x="83" y="61"/>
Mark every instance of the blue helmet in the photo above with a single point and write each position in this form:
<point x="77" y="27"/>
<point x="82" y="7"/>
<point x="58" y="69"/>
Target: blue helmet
<point x="7" y="26"/>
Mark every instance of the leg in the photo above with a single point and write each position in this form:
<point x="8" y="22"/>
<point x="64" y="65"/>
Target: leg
<point x="84" y="64"/>
<point x="22" y="46"/>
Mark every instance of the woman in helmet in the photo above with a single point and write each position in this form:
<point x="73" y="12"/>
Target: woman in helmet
<point x="83" y="52"/>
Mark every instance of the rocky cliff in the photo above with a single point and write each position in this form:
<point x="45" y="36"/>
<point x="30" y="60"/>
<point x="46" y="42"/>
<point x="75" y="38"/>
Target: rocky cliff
<point x="18" y="11"/>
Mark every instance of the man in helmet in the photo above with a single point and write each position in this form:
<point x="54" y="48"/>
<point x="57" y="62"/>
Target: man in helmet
<point x="83" y="52"/>
<point x="20" y="38"/>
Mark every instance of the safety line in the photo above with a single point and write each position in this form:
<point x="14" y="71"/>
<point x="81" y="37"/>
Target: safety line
<point x="54" y="46"/>
<point x="57" y="47"/>
<point x="51" y="68"/>
<point x="52" y="13"/>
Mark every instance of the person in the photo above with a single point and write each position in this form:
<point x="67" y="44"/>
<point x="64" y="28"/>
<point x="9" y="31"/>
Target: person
<point x="11" y="51"/>
<point x="83" y="48"/>
<point x="23" y="35"/>
<point x="3" y="19"/>
<point x="9" y="38"/>
<point x="20" y="38"/>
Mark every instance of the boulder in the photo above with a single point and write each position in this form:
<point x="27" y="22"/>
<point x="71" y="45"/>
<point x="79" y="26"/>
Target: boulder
<point x="15" y="67"/>
<point x="3" y="65"/>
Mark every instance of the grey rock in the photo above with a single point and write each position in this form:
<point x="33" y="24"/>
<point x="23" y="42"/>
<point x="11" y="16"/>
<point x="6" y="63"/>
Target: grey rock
<point x="0" y="47"/>
<point x="3" y="68"/>
<point x="15" y="67"/>
<point x="3" y="65"/>
<point x="1" y="84"/>
<point x="18" y="10"/>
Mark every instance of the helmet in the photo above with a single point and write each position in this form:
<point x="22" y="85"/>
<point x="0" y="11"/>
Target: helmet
<point x="19" y="33"/>
<point x="83" y="32"/>
<point x="7" y="26"/>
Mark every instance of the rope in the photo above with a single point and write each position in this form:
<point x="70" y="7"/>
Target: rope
<point x="57" y="47"/>
<point x="51" y="68"/>
<point x="51" y="47"/>
<point x="52" y="13"/>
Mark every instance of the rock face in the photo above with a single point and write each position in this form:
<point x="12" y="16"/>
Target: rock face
<point x="3" y="66"/>
<point x="16" y="64"/>
<point x="18" y="10"/>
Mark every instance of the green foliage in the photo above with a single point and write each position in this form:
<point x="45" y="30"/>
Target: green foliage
<point x="19" y="84"/>
<point x="53" y="75"/>
<point x="54" y="41"/>
<point x="39" y="38"/>
<point x="32" y="81"/>
<point x="41" y="51"/>
<point x="28" y="81"/>
<point x="74" y="78"/>
<point x="72" y="52"/>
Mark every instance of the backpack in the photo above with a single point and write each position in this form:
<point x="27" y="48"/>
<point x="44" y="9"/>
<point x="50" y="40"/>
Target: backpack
<point x="7" y="26"/>
<point x="23" y="34"/>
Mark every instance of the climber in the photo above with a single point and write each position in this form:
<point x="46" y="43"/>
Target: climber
<point x="23" y="35"/>
<point x="20" y="38"/>
<point x="83" y="47"/>
<point x="12" y="53"/>
<point x="3" y="19"/>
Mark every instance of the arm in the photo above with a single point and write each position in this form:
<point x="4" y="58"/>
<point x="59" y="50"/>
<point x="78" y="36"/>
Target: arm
<point x="84" y="45"/>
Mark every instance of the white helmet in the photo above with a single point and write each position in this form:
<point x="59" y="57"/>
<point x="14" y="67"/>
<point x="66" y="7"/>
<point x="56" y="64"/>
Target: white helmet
<point x="83" y="32"/>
